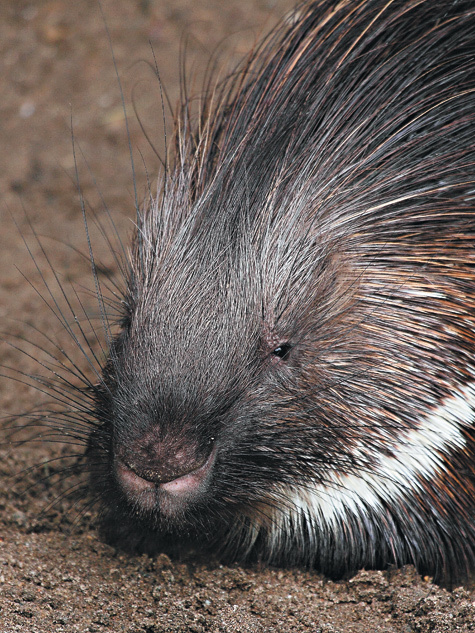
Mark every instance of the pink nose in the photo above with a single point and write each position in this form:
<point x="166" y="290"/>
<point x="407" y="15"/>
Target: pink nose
<point x="175" y="477"/>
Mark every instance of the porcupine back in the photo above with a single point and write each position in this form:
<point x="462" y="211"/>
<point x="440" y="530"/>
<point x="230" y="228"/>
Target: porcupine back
<point x="300" y="313"/>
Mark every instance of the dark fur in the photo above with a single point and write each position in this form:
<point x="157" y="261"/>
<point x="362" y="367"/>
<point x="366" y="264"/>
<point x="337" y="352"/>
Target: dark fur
<point x="303" y="287"/>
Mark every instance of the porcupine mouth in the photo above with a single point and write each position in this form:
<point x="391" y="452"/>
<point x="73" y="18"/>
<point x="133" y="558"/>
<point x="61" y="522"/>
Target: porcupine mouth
<point x="168" y="498"/>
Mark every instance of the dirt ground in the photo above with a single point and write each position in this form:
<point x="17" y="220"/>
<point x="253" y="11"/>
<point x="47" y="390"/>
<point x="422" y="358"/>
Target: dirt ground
<point x="58" y="83"/>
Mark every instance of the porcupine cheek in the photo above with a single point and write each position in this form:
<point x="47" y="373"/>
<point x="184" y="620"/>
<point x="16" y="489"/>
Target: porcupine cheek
<point x="166" y="476"/>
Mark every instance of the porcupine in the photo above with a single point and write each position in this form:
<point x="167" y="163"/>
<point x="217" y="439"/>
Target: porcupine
<point x="294" y="376"/>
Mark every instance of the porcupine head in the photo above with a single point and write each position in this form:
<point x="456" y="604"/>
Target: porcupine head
<point x="294" y="374"/>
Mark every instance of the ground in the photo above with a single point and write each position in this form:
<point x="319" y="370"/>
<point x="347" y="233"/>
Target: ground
<point x="61" y="107"/>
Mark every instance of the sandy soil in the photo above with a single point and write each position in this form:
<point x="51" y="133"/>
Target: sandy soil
<point x="58" y="82"/>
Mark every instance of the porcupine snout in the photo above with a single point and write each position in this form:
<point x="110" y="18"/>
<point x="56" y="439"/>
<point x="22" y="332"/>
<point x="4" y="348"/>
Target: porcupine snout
<point x="168" y="398"/>
<point x="161" y="462"/>
<point x="156" y="467"/>
<point x="167" y="474"/>
<point x="160" y="456"/>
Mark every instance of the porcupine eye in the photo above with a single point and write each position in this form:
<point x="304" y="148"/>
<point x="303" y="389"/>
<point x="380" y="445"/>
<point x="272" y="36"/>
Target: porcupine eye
<point x="282" y="351"/>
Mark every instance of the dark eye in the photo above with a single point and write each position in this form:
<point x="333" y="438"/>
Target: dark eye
<point x="282" y="351"/>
